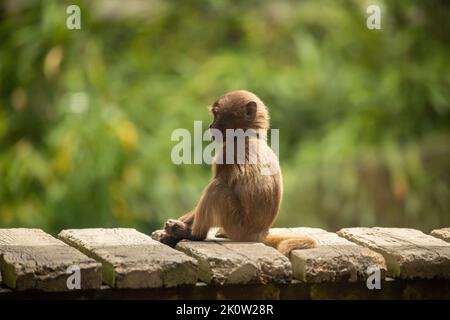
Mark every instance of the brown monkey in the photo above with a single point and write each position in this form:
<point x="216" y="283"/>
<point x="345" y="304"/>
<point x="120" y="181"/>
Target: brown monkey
<point x="241" y="198"/>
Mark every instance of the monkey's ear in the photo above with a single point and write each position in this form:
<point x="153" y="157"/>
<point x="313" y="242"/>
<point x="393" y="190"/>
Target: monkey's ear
<point x="213" y="108"/>
<point x="250" y="110"/>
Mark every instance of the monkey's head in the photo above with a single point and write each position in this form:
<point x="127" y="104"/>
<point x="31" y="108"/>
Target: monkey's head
<point x="239" y="110"/>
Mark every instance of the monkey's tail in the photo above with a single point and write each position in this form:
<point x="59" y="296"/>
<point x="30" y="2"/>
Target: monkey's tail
<point x="285" y="244"/>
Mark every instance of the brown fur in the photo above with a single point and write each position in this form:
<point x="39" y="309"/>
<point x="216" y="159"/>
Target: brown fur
<point x="285" y="244"/>
<point x="239" y="199"/>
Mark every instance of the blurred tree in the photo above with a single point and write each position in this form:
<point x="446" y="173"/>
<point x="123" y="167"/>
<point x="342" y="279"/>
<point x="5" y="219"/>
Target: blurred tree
<point x="86" y="115"/>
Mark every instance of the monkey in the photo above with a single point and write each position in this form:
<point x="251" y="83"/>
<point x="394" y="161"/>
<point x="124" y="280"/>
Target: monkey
<point x="240" y="198"/>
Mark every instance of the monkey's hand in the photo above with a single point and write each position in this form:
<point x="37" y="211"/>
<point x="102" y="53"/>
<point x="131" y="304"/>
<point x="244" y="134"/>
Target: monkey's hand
<point x="177" y="228"/>
<point x="180" y="230"/>
<point x="163" y="237"/>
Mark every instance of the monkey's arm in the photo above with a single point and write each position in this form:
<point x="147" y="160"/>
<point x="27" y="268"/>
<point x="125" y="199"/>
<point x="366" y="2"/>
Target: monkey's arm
<point x="216" y="202"/>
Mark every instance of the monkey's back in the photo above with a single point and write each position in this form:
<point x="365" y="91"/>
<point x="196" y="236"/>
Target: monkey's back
<point x="255" y="195"/>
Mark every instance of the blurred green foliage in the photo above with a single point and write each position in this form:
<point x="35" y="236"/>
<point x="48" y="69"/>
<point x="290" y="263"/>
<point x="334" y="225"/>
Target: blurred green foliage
<point x="86" y="115"/>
